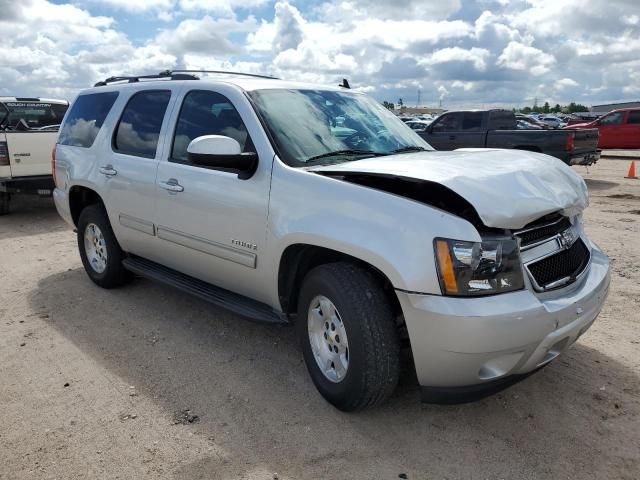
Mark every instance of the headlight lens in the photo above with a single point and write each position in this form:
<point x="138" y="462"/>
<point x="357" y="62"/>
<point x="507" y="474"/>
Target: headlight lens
<point x="478" y="268"/>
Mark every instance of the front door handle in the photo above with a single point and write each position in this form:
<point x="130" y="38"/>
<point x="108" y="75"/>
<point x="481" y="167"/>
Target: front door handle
<point x="172" y="185"/>
<point x="108" y="170"/>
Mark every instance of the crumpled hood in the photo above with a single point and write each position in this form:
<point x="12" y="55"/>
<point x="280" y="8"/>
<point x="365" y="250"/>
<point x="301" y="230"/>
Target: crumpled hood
<point x="508" y="188"/>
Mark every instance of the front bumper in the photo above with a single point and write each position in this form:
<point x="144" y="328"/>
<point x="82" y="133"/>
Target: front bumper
<point x="471" y="342"/>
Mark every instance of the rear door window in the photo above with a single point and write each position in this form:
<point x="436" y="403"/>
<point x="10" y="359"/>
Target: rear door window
<point x="634" y="117"/>
<point x="138" y="131"/>
<point x="472" y="122"/>
<point x="85" y="119"/>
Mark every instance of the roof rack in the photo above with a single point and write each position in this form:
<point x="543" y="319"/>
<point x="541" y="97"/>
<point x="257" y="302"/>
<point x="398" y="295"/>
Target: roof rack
<point x="174" y="75"/>
<point x="133" y="79"/>
<point x="223" y="72"/>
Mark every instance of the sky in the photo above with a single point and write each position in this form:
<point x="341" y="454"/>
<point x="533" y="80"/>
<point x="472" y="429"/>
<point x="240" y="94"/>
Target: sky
<point x="458" y="53"/>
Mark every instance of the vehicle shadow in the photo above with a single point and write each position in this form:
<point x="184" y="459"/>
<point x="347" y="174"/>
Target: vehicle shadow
<point x="30" y="215"/>
<point x="249" y="386"/>
<point x="597" y="185"/>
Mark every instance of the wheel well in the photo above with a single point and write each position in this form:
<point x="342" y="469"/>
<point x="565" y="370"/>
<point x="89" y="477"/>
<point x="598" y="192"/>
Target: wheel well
<point x="529" y="148"/>
<point x="79" y="198"/>
<point x="297" y="260"/>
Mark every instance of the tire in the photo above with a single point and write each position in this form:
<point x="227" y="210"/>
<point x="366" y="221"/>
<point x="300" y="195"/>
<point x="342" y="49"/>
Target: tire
<point x="5" y="202"/>
<point x="107" y="271"/>
<point x="373" y="353"/>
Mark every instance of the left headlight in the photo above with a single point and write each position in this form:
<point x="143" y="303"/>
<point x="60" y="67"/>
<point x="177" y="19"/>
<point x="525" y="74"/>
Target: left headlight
<point x="478" y="268"/>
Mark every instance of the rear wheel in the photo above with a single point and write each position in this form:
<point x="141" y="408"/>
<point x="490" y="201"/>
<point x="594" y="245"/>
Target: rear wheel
<point x="5" y="200"/>
<point x="348" y="335"/>
<point x="99" y="250"/>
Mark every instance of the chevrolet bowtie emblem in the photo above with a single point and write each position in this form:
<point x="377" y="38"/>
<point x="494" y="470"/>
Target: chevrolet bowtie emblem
<point x="567" y="238"/>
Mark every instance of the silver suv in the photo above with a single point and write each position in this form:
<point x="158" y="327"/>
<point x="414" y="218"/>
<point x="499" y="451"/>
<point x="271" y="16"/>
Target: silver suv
<point x="290" y="202"/>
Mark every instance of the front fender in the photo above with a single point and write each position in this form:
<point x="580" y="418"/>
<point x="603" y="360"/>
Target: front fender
<point x="389" y="232"/>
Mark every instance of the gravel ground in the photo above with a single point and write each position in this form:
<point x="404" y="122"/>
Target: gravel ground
<point x="146" y="382"/>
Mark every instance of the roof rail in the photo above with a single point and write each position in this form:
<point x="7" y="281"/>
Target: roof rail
<point x="175" y="75"/>
<point x="133" y="79"/>
<point x="222" y="72"/>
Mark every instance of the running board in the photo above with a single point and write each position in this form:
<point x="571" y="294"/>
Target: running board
<point x="233" y="302"/>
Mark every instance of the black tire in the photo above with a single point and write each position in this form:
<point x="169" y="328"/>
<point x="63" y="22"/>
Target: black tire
<point x="373" y="342"/>
<point x="114" y="275"/>
<point x="5" y="202"/>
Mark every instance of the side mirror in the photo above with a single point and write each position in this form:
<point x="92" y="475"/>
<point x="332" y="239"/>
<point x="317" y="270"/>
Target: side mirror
<point x="224" y="153"/>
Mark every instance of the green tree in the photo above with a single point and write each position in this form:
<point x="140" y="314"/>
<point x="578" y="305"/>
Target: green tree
<point x="388" y="105"/>
<point x="557" y="108"/>
<point x="576" y="107"/>
<point x="546" y="107"/>
<point x="400" y="103"/>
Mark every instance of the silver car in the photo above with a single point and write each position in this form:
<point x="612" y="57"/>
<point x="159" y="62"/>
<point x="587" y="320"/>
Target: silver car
<point x="313" y="205"/>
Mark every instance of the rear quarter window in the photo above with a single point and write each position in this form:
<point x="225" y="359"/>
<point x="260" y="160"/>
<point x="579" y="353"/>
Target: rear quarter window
<point x="84" y="120"/>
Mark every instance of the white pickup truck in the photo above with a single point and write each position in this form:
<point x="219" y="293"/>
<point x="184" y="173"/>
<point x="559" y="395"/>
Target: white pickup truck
<point x="28" y="131"/>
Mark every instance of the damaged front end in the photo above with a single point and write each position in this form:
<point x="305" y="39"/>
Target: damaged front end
<point x="548" y="250"/>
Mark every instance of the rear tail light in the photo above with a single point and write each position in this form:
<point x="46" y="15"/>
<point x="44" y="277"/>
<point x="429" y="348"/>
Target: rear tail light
<point x="4" y="154"/>
<point x="570" y="142"/>
<point x="53" y="165"/>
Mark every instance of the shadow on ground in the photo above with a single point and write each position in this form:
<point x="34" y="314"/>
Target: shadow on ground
<point x="248" y="385"/>
<point x="30" y="215"/>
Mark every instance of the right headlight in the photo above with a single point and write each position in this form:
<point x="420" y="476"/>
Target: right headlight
<point x="478" y="268"/>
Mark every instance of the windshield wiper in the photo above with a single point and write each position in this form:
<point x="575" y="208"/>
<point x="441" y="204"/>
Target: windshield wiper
<point x="409" y="149"/>
<point x="346" y="152"/>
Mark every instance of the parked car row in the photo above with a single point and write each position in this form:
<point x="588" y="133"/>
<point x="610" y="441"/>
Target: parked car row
<point x="499" y="129"/>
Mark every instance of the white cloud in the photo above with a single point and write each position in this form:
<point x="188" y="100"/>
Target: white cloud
<point x="518" y="56"/>
<point x="476" y="56"/>
<point x="566" y="83"/>
<point x="451" y="50"/>
<point x="138" y="6"/>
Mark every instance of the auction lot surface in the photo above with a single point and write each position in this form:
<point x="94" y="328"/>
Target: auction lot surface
<point x="95" y="383"/>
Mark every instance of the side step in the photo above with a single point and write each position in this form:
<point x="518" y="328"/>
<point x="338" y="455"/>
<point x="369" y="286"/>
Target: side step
<point x="233" y="302"/>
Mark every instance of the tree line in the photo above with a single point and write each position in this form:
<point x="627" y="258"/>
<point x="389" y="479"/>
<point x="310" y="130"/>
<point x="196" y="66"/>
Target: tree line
<point x="546" y="108"/>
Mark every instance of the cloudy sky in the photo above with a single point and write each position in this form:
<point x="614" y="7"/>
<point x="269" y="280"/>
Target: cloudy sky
<point x="461" y="52"/>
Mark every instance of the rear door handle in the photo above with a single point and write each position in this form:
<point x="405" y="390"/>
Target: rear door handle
<point x="172" y="185"/>
<point x="108" y="170"/>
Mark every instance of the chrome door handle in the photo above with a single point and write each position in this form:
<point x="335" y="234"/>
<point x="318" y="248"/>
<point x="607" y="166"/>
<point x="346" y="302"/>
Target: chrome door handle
<point x="108" y="170"/>
<point x="172" y="185"/>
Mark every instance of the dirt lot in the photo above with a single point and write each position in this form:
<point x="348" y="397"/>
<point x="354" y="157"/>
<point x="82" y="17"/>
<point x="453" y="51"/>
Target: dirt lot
<point x="96" y="383"/>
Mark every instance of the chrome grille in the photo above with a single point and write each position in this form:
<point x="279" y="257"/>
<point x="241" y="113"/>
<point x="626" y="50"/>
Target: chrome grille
<point x="565" y="265"/>
<point x="534" y="234"/>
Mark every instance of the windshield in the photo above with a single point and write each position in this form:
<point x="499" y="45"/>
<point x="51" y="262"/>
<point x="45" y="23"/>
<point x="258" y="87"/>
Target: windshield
<point x="35" y="114"/>
<point x="312" y="127"/>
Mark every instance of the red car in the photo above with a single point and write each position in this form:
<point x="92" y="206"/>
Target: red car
<point x="618" y="129"/>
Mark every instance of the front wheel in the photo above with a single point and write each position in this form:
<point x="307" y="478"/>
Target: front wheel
<point x="99" y="250"/>
<point x="348" y="335"/>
